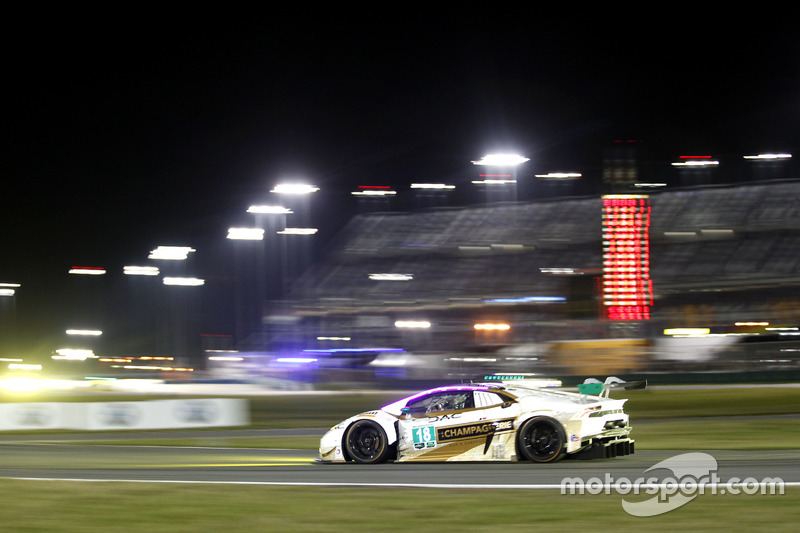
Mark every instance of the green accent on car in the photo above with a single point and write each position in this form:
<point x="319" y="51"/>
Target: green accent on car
<point x="590" y="388"/>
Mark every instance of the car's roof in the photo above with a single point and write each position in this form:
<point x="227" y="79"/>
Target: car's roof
<point x="517" y="389"/>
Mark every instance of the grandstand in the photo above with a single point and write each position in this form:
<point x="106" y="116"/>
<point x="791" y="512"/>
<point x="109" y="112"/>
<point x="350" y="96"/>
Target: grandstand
<point x="718" y="254"/>
<point x="732" y="236"/>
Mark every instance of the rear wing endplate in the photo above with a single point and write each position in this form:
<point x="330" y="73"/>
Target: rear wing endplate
<point x="595" y="387"/>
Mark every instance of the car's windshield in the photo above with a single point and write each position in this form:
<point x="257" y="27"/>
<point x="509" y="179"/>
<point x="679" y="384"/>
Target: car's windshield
<point x="441" y="401"/>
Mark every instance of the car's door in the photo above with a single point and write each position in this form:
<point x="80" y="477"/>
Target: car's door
<point x="458" y="424"/>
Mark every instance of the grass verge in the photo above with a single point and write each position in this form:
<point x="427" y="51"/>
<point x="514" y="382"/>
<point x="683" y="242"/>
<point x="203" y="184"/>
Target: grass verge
<point x="754" y="434"/>
<point x="110" y="506"/>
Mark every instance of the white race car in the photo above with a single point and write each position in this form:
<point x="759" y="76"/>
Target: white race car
<point x="500" y="419"/>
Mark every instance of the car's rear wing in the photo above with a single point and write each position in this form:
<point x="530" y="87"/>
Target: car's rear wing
<point x="595" y="387"/>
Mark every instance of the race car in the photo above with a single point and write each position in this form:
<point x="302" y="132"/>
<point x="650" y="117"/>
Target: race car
<point x="502" y="418"/>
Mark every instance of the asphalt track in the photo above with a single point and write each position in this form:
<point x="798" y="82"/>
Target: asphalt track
<point x="42" y="459"/>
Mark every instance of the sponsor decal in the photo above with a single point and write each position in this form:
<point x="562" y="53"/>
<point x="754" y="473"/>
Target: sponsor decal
<point x="444" y="417"/>
<point x="574" y="438"/>
<point x="33" y="415"/>
<point x="119" y="414"/>
<point x="478" y="429"/>
<point x="424" y="437"/>
<point x="197" y="411"/>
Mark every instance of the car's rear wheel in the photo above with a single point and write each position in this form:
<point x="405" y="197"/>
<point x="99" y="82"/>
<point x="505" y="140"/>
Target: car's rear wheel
<point x="542" y="440"/>
<point x="365" y="442"/>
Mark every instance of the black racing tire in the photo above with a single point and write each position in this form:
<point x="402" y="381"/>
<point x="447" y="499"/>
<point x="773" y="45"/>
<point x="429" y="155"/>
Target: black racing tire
<point x="365" y="442"/>
<point x="542" y="440"/>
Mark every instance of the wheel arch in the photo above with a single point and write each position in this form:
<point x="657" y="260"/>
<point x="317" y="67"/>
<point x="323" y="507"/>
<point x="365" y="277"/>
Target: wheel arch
<point x="521" y="419"/>
<point x="388" y="426"/>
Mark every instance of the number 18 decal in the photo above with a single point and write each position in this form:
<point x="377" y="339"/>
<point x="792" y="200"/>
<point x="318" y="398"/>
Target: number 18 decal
<point x="424" y="437"/>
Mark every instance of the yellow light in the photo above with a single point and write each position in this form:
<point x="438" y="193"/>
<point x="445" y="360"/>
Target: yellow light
<point x="19" y="384"/>
<point x="24" y="366"/>
<point x="87" y="332"/>
<point x="687" y="331"/>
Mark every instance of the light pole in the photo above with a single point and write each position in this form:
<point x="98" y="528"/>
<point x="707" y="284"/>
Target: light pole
<point x="297" y="195"/>
<point x="89" y="297"/>
<point x="499" y="179"/>
<point x="431" y="194"/>
<point x="143" y="322"/>
<point x="8" y="313"/>
<point x="179" y="332"/>
<point x="249" y="280"/>
<point x="769" y="165"/>
<point x="559" y="183"/>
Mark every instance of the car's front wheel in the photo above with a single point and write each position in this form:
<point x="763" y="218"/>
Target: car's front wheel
<point x="365" y="442"/>
<point x="542" y="440"/>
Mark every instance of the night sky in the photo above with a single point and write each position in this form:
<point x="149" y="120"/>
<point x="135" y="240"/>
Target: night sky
<point x="122" y="132"/>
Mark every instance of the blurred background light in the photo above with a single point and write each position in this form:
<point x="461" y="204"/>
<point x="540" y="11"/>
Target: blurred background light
<point x="687" y="331"/>
<point x="89" y="271"/>
<point x="419" y="324"/>
<point x="296" y="360"/>
<point x="769" y="157"/>
<point x="695" y="161"/>
<point x="492" y="327"/>
<point x="559" y="175"/>
<point x="85" y="332"/>
<point x="294" y="188"/>
<point x="435" y="186"/>
<point x="494" y="181"/>
<point x="140" y="271"/>
<point x="269" y="210"/>
<point x="389" y="276"/>
<point x="297" y="231"/>
<point x="74" y="354"/>
<point x="501" y="160"/>
<point x="374" y="192"/>
<point x="186" y="282"/>
<point x="526" y="299"/>
<point x="24" y="366"/>
<point x="248" y="234"/>
<point x="171" y="253"/>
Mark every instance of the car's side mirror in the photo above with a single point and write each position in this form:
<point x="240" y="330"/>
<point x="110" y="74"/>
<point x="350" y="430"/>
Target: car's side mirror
<point x="507" y="405"/>
<point x="406" y="412"/>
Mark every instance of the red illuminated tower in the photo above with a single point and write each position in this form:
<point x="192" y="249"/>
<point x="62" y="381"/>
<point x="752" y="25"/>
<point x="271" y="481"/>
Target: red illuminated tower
<point x="627" y="287"/>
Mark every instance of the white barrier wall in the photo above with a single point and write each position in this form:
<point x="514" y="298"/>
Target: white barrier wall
<point x="149" y="414"/>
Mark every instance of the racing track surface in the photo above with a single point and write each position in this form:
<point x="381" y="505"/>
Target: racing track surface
<point x="47" y="460"/>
